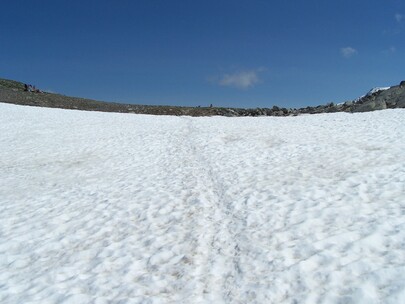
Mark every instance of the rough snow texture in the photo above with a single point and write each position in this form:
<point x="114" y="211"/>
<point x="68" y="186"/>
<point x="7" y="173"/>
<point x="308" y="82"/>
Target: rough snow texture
<point x="100" y="207"/>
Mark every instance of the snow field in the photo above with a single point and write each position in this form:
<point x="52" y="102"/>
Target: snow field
<point x="101" y="207"/>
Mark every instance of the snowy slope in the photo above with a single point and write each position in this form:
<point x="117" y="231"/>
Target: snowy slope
<point x="98" y="207"/>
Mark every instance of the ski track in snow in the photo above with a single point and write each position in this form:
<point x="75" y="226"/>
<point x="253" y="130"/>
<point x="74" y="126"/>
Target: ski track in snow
<point x="120" y="208"/>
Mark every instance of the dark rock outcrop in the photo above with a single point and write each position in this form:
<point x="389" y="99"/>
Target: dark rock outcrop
<point x="394" y="97"/>
<point x="371" y="106"/>
<point x="13" y="92"/>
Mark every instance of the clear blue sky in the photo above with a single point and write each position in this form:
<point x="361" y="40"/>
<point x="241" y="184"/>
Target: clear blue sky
<point x="241" y="53"/>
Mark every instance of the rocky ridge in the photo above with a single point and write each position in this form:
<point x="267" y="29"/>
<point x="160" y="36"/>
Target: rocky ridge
<point x="13" y="92"/>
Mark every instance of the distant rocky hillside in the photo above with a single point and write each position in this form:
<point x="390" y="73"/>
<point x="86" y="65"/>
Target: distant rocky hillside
<point x="14" y="92"/>
<point x="393" y="97"/>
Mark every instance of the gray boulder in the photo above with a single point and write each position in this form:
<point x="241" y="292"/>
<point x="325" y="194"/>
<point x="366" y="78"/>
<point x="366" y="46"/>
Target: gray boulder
<point x="394" y="96"/>
<point x="371" y="106"/>
<point x="401" y="103"/>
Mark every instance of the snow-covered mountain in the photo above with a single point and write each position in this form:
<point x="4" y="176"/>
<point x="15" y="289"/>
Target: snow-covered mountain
<point x="121" y="208"/>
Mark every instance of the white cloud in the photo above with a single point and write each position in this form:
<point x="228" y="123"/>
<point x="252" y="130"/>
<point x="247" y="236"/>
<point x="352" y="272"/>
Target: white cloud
<point x="399" y="17"/>
<point x="240" y="80"/>
<point x="348" y="52"/>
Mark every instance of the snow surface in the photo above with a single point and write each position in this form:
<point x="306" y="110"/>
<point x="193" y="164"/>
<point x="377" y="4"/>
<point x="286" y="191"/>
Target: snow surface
<point x="107" y="207"/>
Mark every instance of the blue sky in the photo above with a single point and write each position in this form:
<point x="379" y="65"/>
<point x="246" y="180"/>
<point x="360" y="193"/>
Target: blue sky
<point x="240" y="53"/>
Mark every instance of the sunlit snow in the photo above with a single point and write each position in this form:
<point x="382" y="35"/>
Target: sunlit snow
<point x="107" y="207"/>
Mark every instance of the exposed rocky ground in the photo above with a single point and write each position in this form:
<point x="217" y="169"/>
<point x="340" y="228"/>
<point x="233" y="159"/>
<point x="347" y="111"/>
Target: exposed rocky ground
<point x="13" y="92"/>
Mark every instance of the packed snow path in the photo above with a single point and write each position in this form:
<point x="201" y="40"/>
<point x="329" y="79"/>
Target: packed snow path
<point x="104" y="207"/>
